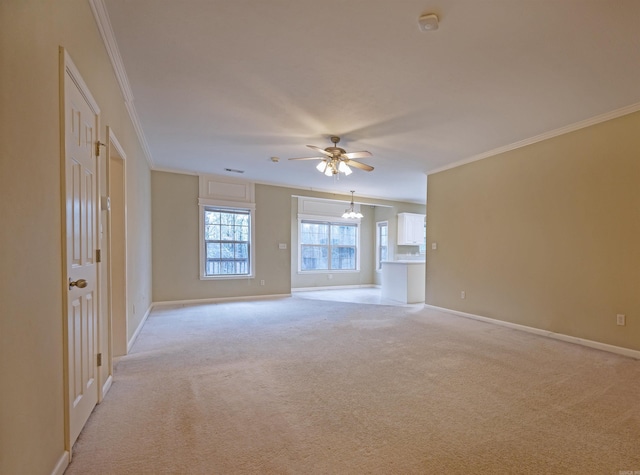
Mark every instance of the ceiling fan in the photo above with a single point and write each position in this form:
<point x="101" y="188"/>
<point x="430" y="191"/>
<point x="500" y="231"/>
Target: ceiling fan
<point x="337" y="160"/>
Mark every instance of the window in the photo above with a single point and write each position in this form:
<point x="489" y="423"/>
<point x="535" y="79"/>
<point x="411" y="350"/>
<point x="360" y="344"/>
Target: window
<point x="382" y="243"/>
<point x="326" y="245"/>
<point x="227" y="242"/>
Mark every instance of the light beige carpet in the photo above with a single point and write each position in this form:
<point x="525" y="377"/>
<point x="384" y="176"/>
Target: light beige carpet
<point x="297" y="386"/>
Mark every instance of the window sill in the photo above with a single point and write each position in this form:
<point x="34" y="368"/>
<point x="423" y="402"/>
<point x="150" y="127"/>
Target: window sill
<point x="304" y="272"/>
<point x="226" y="277"/>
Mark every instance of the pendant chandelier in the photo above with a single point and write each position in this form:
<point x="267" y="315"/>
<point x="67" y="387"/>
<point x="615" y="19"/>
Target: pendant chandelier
<point x="350" y="212"/>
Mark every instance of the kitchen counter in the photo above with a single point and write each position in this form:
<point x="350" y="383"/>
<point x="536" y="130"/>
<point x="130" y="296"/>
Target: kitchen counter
<point x="403" y="281"/>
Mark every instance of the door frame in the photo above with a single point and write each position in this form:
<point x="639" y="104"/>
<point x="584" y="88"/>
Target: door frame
<point x="118" y="320"/>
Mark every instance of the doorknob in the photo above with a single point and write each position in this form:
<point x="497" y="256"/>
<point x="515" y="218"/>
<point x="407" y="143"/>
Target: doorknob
<point x="80" y="283"/>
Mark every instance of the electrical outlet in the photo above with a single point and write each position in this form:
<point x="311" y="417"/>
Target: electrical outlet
<point x="463" y="294"/>
<point x="620" y="319"/>
<point x="262" y="282"/>
<point x="329" y="276"/>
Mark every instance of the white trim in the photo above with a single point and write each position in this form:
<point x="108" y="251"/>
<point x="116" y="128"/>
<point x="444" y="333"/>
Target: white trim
<point x="101" y="16"/>
<point x="169" y="303"/>
<point x="332" y="192"/>
<point x="537" y="331"/>
<point x="76" y="77"/>
<point x="251" y="207"/>
<point x="215" y="187"/>
<point x="106" y="387"/>
<point x="309" y="207"/>
<point x="226" y="204"/>
<point x="328" y="271"/>
<point x="115" y="151"/>
<point x="177" y="171"/>
<point x="69" y="73"/>
<point x="336" y="287"/>
<point x="63" y="463"/>
<point x="378" y="264"/>
<point x="111" y="136"/>
<point x="133" y="114"/>
<point x="345" y="201"/>
<point x="544" y="136"/>
<point x="134" y="337"/>
<point x="331" y="220"/>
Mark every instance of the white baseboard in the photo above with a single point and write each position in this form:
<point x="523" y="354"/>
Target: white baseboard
<point x="134" y="337"/>
<point x="336" y="287"/>
<point x="106" y="386"/>
<point x="174" y="303"/>
<point x="556" y="336"/>
<point x="63" y="463"/>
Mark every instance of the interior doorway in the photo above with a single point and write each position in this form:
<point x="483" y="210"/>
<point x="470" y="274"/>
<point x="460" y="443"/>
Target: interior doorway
<point x="117" y="243"/>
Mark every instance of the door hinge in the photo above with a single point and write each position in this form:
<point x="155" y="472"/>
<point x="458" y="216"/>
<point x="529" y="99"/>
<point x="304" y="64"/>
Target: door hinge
<point x="99" y="359"/>
<point x="98" y="255"/>
<point x="98" y="145"/>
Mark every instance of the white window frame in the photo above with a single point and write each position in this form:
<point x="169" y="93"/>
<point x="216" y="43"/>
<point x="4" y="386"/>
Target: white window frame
<point x="204" y="203"/>
<point x="330" y="220"/>
<point x="379" y="224"/>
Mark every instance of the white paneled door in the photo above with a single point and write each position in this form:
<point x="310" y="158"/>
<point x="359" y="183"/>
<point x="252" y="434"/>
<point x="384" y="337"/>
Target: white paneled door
<point x="80" y="162"/>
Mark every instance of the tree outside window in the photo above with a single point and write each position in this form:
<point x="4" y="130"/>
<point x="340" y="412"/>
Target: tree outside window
<point x="328" y="246"/>
<point x="227" y="240"/>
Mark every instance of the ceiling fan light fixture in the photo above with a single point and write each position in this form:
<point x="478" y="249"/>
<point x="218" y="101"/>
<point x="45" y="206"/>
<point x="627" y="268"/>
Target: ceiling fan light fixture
<point x="344" y="168"/>
<point x="336" y="160"/>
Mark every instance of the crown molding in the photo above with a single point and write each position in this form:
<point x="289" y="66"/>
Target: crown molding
<point x="547" y="135"/>
<point x="101" y="16"/>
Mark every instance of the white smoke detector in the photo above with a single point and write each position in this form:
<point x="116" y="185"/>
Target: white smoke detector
<point x="428" y="22"/>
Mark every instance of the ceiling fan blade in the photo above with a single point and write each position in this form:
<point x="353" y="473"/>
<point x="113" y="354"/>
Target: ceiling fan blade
<point x="308" y="158"/>
<point x="321" y="150"/>
<point x="362" y="154"/>
<point x="361" y="166"/>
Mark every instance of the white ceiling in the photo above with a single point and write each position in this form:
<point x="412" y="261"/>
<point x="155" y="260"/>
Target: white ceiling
<point x="230" y="83"/>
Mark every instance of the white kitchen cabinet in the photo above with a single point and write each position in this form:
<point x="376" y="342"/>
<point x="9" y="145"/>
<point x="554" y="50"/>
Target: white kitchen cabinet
<point x="410" y="229"/>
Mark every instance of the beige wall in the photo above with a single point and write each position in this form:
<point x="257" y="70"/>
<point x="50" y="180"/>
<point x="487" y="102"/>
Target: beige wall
<point x="175" y="227"/>
<point x="175" y="242"/>
<point x="545" y="236"/>
<point x="31" y="315"/>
